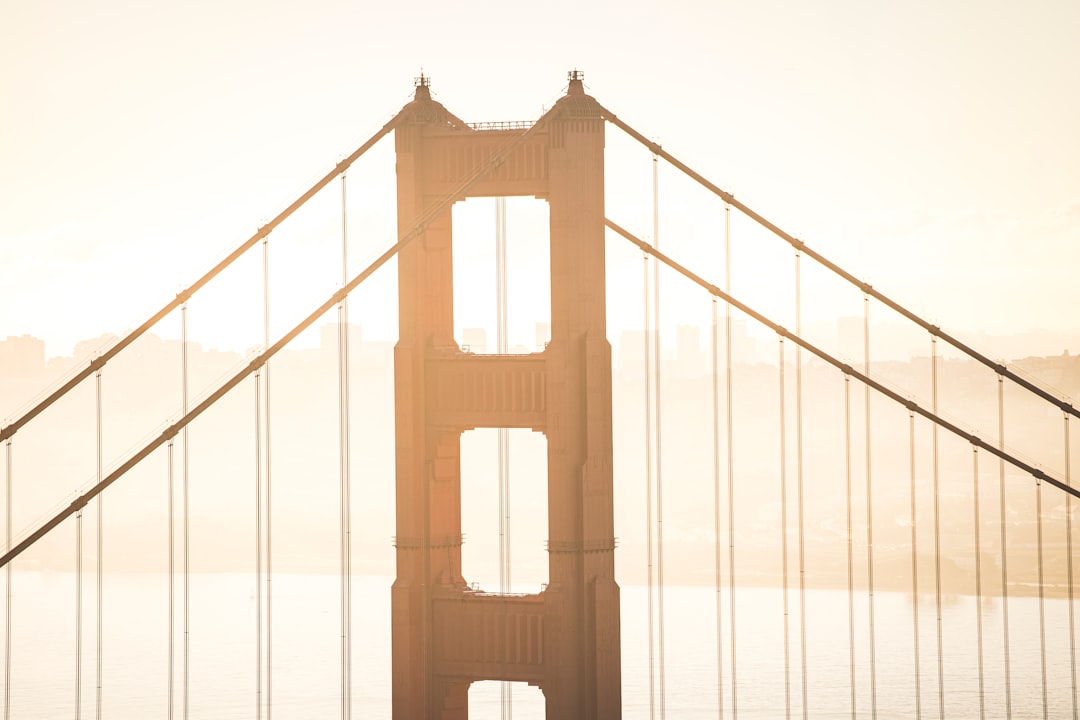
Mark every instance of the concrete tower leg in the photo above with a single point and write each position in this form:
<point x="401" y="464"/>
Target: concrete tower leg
<point x="455" y="700"/>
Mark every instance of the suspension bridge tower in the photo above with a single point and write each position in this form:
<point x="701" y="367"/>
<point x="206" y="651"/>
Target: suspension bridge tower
<point x="565" y="639"/>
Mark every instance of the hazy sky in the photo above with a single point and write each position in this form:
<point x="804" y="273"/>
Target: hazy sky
<point x="139" y="141"/>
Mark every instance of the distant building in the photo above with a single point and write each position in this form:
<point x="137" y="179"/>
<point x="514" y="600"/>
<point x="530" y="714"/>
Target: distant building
<point x="631" y="362"/>
<point x="328" y="336"/>
<point x="688" y="356"/>
<point x="543" y="334"/>
<point x="744" y="348"/>
<point x="22" y="355"/>
<point x="474" y="340"/>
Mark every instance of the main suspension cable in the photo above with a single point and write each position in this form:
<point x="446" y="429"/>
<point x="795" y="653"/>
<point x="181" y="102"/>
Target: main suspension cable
<point x="914" y="567"/>
<point x="1004" y="547"/>
<point x="436" y="208"/>
<point x="728" y="198"/>
<point x="181" y="297"/>
<point x="839" y="365"/>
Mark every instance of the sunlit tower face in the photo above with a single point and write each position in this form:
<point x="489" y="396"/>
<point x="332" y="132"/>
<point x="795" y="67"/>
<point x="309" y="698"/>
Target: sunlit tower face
<point x="566" y="638"/>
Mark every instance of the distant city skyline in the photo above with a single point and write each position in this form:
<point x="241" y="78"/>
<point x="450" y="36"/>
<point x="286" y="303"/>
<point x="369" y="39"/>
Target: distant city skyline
<point x="141" y="390"/>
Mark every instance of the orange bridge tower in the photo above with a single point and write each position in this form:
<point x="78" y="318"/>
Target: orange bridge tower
<point x="564" y="639"/>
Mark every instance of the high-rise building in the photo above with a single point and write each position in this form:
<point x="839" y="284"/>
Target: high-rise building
<point x="474" y="340"/>
<point x="328" y="336"/>
<point x="689" y="360"/>
<point x="543" y="335"/>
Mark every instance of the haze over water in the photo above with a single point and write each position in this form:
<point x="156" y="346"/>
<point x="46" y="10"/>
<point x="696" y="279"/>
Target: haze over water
<point x="306" y="647"/>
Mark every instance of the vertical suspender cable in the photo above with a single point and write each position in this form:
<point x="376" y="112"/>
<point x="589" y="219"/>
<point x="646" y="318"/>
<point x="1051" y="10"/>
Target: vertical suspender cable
<point x="869" y="512"/>
<point x="1069" y="570"/>
<point x="184" y="501"/>
<point x="99" y="569"/>
<point x="659" y="467"/>
<point x="799" y="480"/>
<point x="783" y="531"/>
<point x="1004" y="547"/>
<point x="261" y="393"/>
<point x="978" y="580"/>
<point x="266" y="457"/>
<point x="499" y="432"/>
<point x="172" y="581"/>
<point x="505" y="332"/>
<point x="648" y="485"/>
<point x="914" y="566"/>
<point x="506" y="443"/>
<point x="78" y="614"/>
<point x="1042" y="609"/>
<point x="345" y="470"/>
<point x="7" y="584"/>
<point x="502" y="346"/>
<point x="850" y="557"/>
<point x="937" y="528"/>
<point x="258" y="544"/>
<point x="716" y="516"/>
<point x="730" y="460"/>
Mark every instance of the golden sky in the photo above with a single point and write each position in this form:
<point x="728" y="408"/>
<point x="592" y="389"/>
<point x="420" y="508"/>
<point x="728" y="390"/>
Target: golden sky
<point x="932" y="148"/>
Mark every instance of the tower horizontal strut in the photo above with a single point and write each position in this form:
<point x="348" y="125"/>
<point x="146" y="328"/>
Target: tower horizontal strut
<point x="844" y="367"/>
<point x="865" y="287"/>
<point x="258" y="361"/>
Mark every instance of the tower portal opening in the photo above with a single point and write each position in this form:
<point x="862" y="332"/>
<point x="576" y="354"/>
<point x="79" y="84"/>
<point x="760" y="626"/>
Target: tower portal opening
<point x="528" y="276"/>
<point x="486" y="697"/>
<point x="481" y="520"/>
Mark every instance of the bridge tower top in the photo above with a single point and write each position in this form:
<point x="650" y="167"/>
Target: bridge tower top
<point x="577" y="82"/>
